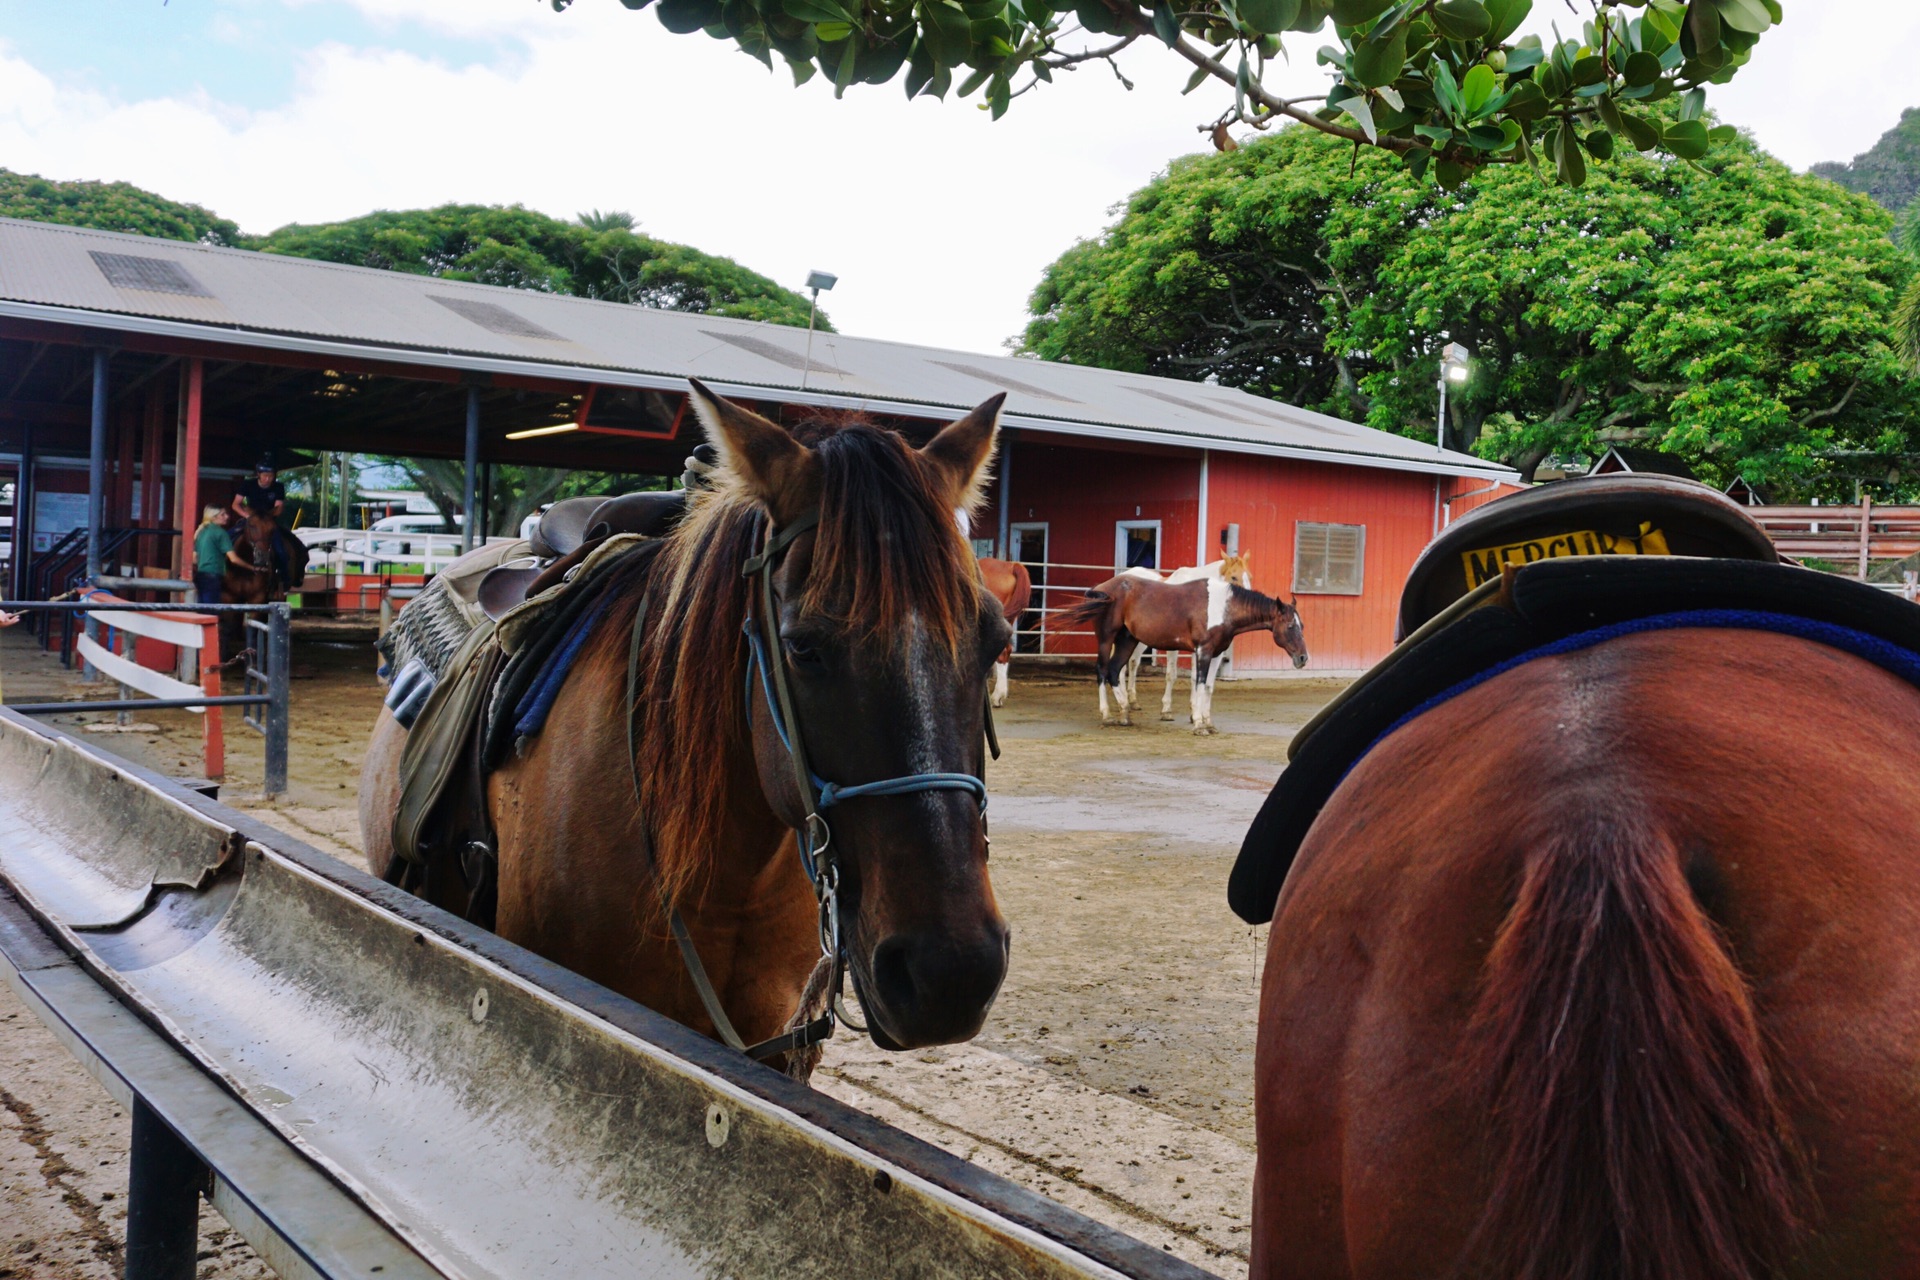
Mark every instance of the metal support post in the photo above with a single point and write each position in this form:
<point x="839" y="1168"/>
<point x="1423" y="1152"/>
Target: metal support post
<point x="470" y="520"/>
<point x="96" y="482"/>
<point x="163" y="1201"/>
<point x="279" y="683"/>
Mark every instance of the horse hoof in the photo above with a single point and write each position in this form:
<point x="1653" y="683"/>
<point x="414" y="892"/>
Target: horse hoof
<point x="998" y="702"/>
<point x="1166" y="717"/>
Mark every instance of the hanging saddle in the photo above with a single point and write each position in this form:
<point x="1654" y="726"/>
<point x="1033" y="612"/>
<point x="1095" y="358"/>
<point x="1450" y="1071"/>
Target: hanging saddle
<point x="1554" y="570"/>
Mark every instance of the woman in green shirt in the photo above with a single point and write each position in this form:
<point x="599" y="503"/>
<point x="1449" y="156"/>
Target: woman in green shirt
<point x="212" y="549"/>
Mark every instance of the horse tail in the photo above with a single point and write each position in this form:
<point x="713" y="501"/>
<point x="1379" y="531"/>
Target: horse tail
<point x="1089" y="610"/>
<point x="1637" y="1132"/>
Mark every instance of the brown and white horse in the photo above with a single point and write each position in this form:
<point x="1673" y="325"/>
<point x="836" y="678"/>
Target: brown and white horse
<point x="885" y="636"/>
<point x="1607" y="969"/>
<point x="1012" y="586"/>
<point x="1232" y="567"/>
<point x="1200" y="618"/>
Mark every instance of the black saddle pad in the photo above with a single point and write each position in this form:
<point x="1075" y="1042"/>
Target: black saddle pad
<point x="1533" y="607"/>
<point x="1627" y="515"/>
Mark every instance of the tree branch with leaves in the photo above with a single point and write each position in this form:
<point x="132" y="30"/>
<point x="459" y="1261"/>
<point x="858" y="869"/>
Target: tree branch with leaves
<point x="1442" y="83"/>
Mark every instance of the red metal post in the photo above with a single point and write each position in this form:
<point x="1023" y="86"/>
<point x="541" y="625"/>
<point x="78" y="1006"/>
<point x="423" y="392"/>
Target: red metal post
<point x="213" y="740"/>
<point x="186" y="464"/>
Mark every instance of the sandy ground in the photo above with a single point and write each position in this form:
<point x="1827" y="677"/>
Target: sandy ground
<point x="1113" y="1075"/>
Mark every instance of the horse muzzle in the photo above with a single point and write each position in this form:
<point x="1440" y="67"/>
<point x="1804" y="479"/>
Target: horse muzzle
<point x="1299" y="661"/>
<point x="928" y="989"/>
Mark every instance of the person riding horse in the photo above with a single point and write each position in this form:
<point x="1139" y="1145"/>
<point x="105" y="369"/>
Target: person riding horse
<point x="266" y="497"/>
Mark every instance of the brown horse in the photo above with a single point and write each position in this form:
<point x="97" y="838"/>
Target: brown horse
<point x="1607" y="967"/>
<point x="885" y="637"/>
<point x="1200" y="618"/>
<point x="259" y="581"/>
<point x="1010" y="584"/>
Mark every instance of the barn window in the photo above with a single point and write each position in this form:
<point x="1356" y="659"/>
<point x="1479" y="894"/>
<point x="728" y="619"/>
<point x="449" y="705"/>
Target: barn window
<point x="1328" y="558"/>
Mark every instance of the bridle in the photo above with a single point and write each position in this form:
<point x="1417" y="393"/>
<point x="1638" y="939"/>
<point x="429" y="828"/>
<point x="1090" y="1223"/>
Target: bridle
<point x="812" y="835"/>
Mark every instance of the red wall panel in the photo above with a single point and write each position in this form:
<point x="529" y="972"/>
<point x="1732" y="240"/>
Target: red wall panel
<point x="1267" y="496"/>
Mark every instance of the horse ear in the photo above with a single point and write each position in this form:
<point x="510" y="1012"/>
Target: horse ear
<point x="962" y="451"/>
<point x="776" y="469"/>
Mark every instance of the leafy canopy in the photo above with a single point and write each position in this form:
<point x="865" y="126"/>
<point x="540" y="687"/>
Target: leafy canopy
<point x="1436" y="81"/>
<point x="1734" y="313"/>
<point x="600" y="256"/>
<point x="111" y="206"/>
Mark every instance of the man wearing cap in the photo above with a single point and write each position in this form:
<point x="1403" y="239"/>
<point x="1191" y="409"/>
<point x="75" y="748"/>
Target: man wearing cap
<point x="266" y="497"/>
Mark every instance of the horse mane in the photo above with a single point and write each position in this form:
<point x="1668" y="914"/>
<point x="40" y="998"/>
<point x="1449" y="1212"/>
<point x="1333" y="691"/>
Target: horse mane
<point x="887" y="554"/>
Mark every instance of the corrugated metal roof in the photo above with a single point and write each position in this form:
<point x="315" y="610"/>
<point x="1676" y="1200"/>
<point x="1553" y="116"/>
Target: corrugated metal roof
<point x="259" y="299"/>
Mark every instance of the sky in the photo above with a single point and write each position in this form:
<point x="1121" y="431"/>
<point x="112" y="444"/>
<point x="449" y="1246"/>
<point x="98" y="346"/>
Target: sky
<point x="938" y="220"/>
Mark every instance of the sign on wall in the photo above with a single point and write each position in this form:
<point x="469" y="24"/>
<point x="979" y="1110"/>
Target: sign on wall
<point x="55" y="515"/>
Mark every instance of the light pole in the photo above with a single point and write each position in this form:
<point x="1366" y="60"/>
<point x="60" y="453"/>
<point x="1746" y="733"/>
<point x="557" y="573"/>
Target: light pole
<point x="816" y="281"/>
<point x="1453" y="368"/>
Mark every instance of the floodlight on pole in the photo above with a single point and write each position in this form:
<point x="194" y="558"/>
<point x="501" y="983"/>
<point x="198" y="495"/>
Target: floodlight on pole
<point x="816" y="281"/>
<point x="1455" y="360"/>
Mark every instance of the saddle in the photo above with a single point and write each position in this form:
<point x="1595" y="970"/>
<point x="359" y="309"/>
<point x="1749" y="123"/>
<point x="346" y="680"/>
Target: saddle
<point x="1612" y="515"/>
<point x="1460" y="634"/>
<point x="536" y="611"/>
<point x="567" y="532"/>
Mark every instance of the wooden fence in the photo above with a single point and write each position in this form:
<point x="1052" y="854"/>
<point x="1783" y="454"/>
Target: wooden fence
<point x="1847" y="537"/>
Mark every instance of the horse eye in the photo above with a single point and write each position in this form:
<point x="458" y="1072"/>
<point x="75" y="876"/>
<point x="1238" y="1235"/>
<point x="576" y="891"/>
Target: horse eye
<point x="800" y="651"/>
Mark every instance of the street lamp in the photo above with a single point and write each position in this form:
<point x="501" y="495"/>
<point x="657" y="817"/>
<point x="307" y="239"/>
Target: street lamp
<point x="816" y="281"/>
<point x="1454" y="359"/>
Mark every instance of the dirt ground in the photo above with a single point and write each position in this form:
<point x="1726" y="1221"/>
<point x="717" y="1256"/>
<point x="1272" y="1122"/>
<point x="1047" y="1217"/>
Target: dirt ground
<point x="1114" y="1073"/>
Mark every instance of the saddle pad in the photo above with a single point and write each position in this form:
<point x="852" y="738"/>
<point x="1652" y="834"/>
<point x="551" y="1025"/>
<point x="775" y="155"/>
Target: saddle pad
<point x="1585" y="601"/>
<point x="439" y="741"/>
<point x="435" y="623"/>
<point x="1612" y="515"/>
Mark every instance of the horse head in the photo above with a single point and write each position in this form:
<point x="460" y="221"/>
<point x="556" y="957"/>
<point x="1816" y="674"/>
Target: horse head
<point x="887" y="639"/>
<point x="1234" y="569"/>
<point x="1287" y="632"/>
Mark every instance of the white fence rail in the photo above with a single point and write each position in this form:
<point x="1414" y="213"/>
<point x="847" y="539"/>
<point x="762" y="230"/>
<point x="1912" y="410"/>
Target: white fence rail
<point x="338" y="552"/>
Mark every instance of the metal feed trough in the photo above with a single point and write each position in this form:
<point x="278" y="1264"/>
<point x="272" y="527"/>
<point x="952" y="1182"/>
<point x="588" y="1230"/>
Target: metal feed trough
<point x="364" y="1085"/>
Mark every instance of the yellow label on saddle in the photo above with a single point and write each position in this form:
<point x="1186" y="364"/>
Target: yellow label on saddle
<point x="1486" y="563"/>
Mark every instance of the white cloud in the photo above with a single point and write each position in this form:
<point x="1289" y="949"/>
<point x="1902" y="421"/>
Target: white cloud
<point x="937" y="220"/>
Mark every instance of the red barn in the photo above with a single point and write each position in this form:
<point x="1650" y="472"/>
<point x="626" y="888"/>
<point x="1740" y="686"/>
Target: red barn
<point x="161" y="367"/>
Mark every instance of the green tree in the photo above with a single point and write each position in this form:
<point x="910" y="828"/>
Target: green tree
<point x="111" y="206"/>
<point x="1889" y="171"/>
<point x="1440" y="82"/>
<point x="1906" y="316"/>
<point x="521" y="249"/>
<point x="1731" y="312"/>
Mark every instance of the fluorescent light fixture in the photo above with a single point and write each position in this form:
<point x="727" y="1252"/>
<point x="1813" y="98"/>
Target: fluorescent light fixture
<point x="531" y="432"/>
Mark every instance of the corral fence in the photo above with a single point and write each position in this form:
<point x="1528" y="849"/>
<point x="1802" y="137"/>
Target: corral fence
<point x="1059" y="586"/>
<point x="360" y="570"/>
<point x="1846" y="538"/>
<point x="365" y="1086"/>
<point x="110" y="648"/>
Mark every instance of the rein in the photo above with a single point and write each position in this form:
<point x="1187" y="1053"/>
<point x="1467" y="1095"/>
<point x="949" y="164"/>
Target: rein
<point x="813" y="836"/>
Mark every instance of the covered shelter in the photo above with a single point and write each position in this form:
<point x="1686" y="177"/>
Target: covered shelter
<point x="140" y="376"/>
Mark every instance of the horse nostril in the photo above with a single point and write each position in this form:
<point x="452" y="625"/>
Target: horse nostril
<point x="893" y="973"/>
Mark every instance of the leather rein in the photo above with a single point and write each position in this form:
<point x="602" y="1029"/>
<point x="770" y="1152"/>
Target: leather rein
<point x="813" y="836"/>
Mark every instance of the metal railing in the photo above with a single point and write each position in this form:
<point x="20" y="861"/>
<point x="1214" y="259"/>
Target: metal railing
<point x="1058" y="586"/>
<point x="266" y="683"/>
<point x="335" y="551"/>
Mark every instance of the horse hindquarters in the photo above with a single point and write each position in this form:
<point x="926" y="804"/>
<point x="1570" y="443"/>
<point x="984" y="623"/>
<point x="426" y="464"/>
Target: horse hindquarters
<point x="1618" y="1033"/>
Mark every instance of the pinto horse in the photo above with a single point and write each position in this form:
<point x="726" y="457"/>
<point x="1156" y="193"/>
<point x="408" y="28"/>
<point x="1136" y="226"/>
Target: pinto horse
<point x="1200" y="618"/>
<point x="1011" y="585"/>
<point x="1606" y="968"/>
<point x="883" y="638"/>
<point x="1231" y="567"/>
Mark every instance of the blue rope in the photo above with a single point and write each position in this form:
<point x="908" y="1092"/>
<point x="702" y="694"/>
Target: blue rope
<point x="1884" y="654"/>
